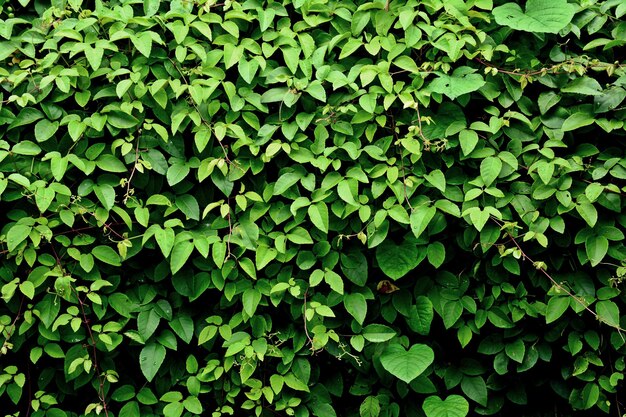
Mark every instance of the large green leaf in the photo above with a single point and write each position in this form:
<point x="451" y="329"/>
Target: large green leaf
<point x="462" y="81"/>
<point x="453" y="406"/>
<point x="407" y="365"/>
<point x="396" y="260"/>
<point x="540" y="15"/>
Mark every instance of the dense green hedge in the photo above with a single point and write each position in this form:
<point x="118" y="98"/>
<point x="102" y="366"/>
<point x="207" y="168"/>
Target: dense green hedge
<point x="312" y="207"/>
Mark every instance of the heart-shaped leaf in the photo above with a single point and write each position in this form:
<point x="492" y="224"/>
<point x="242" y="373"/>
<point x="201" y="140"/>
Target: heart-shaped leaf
<point x="453" y="406"/>
<point x="396" y="261"/>
<point x="407" y="365"/>
<point x="462" y="81"/>
<point x="546" y="16"/>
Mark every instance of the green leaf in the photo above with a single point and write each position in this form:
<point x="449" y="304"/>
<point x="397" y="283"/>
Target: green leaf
<point x="193" y="405"/>
<point x="557" y="305"/>
<point x="121" y="120"/>
<point x="350" y="47"/>
<point x="150" y="360"/>
<point x="420" y="219"/>
<point x="147" y="323"/>
<point x="44" y="197"/>
<point x="453" y="406"/>
<point x="356" y="306"/>
<point x="176" y="173"/>
<point x="346" y="190"/>
<point x="378" y="333"/>
<point x="183" y="326"/>
<point x="106" y="195"/>
<point x="45" y="129"/>
<point x="300" y="236"/>
<point x="540" y="16"/>
<point x="370" y="407"/>
<point x="150" y="8"/>
<point x="16" y="235"/>
<point x="143" y="43"/>
<point x="316" y="90"/>
<point x="107" y="255"/>
<point x="577" y="120"/>
<point x="109" y="163"/>
<point x="462" y="81"/>
<point x="26" y="147"/>
<point x="189" y="206"/>
<point x="590" y="395"/>
<point x="516" y="350"/>
<point x="596" y="248"/>
<point x="421" y="315"/>
<point x="28" y="289"/>
<point x="608" y="312"/>
<point x="334" y="281"/>
<point x="468" y="140"/>
<point x="180" y="254"/>
<point x="130" y="409"/>
<point x="436" y="253"/>
<point x="588" y="212"/>
<point x="583" y="85"/>
<point x="475" y="388"/>
<point x="318" y="213"/>
<point x="294" y="383"/>
<point x="396" y="261"/>
<point x="165" y="240"/>
<point x="490" y="168"/>
<point x="250" y="299"/>
<point x="407" y="365"/>
<point x="437" y="179"/>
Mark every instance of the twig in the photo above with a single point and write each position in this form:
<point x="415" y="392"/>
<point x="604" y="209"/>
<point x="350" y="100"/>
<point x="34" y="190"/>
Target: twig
<point x="94" y="354"/>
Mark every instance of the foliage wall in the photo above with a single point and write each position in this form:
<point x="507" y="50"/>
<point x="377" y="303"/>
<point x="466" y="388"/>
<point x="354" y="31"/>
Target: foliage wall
<point x="312" y="208"/>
